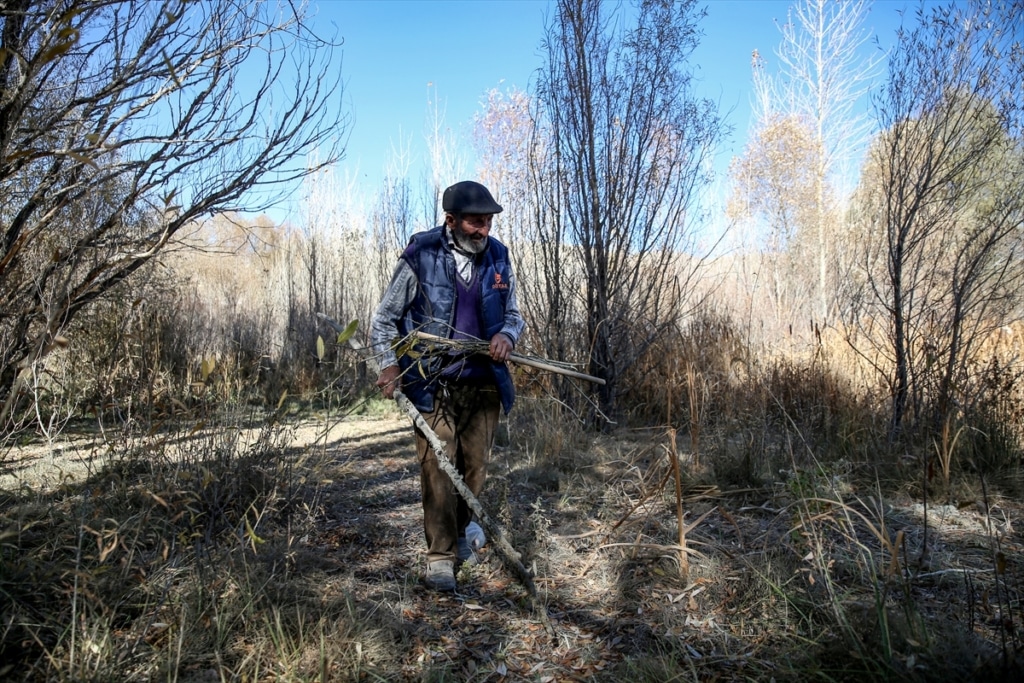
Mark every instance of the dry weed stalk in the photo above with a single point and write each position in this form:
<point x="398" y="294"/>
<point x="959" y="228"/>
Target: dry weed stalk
<point x="695" y="397"/>
<point x="684" y="560"/>
<point x="945" y="449"/>
<point x="822" y="559"/>
<point x="680" y="548"/>
<point x="891" y="546"/>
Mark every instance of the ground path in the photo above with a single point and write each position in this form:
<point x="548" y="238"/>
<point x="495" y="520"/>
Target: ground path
<point x="486" y="630"/>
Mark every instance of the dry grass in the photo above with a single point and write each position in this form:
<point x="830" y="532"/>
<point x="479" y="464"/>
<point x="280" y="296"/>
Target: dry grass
<point x="165" y="538"/>
<point x="295" y="556"/>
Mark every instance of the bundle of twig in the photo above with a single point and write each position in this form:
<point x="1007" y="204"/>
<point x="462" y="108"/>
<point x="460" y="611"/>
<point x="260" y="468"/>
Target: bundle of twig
<point x="479" y="346"/>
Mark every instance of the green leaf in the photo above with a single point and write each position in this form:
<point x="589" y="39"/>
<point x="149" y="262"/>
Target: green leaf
<point x="404" y="349"/>
<point x="251" y="533"/>
<point x="170" y="69"/>
<point x="347" y="333"/>
<point x="319" y="348"/>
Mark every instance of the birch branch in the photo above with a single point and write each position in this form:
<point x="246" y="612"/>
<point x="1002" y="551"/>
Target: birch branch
<point x="523" y="360"/>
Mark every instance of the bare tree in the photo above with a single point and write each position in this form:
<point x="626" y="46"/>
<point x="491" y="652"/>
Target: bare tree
<point x="949" y="199"/>
<point x="123" y="122"/>
<point x="391" y="225"/>
<point x="447" y="165"/>
<point x="775" y="184"/>
<point x="502" y="134"/>
<point x="507" y="142"/>
<point x="824" y="74"/>
<point x="628" y="145"/>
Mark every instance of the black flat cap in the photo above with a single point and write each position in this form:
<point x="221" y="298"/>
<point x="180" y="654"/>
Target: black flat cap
<point x="469" y="197"/>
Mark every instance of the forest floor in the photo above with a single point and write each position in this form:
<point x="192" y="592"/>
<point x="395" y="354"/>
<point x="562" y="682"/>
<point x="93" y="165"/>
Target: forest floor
<point x="809" y="577"/>
<point x="779" y="586"/>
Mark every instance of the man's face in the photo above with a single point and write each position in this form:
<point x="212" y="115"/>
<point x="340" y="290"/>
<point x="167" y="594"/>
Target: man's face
<point x="470" y="230"/>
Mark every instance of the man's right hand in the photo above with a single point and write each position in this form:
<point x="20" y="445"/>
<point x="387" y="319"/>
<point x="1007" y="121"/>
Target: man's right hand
<point x="388" y="380"/>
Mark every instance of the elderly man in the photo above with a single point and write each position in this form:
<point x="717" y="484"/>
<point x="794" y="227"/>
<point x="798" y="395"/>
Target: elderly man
<point x="454" y="281"/>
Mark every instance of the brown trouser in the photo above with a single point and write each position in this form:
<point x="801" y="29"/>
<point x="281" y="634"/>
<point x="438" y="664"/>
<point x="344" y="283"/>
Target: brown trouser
<point x="465" y="419"/>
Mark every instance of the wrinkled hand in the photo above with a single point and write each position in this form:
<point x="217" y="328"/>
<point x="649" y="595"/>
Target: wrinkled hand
<point x="501" y="348"/>
<point x="388" y="380"/>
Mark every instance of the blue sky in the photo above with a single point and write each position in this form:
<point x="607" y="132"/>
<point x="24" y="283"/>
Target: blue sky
<point x="398" y="55"/>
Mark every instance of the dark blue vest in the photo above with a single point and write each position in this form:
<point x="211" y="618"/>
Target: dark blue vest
<point x="434" y="307"/>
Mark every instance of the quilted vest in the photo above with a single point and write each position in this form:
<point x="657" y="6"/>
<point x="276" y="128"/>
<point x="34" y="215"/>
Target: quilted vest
<point x="433" y="310"/>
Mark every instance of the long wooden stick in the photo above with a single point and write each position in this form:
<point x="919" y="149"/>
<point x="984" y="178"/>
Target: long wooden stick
<point x="512" y="557"/>
<point x="522" y="360"/>
<point x="495" y="532"/>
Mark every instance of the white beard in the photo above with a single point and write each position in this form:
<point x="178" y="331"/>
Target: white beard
<point x="466" y="244"/>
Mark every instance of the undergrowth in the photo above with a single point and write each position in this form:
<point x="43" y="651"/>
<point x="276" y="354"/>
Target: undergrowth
<point x="175" y="546"/>
<point x="751" y="521"/>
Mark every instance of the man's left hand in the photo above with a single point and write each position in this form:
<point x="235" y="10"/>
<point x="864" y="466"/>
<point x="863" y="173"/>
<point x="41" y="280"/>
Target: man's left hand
<point x="501" y="348"/>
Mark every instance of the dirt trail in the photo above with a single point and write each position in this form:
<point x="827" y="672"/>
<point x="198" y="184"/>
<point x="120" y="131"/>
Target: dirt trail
<point x="372" y="535"/>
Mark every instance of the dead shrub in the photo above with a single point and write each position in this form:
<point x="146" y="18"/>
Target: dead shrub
<point x="93" y="569"/>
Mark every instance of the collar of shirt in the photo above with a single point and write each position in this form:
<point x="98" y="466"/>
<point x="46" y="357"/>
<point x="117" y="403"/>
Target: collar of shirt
<point x="463" y="261"/>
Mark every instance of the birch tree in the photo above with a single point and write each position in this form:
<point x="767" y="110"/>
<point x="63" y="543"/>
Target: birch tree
<point x="825" y="70"/>
<point x="828" y="73"/>
<point x="775" y="184"/>
<point x="509" y="145"/>
<point x="446" y="162"/>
